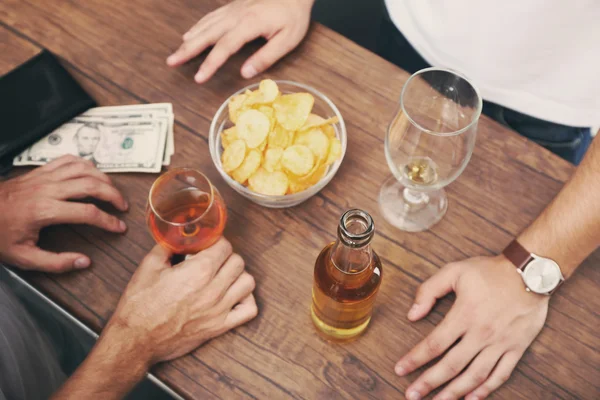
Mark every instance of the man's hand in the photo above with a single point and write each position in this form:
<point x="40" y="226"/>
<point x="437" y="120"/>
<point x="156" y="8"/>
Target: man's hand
<point x="494" y="318"/>
<point x="165" y="312"/>
<point x="40" y="198"/>
<point x="282" y="22"/>
<point x="169" y="311"/>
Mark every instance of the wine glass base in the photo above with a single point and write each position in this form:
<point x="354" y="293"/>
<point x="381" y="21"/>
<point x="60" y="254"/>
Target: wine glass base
<point x="411" y="216"/>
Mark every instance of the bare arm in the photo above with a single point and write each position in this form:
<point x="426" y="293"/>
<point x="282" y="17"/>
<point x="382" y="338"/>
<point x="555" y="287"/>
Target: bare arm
<point x="482" y="336"/>
<point x="568" y="230"/>
<point x="201" y="298"/>
<point x="110" y="371"/>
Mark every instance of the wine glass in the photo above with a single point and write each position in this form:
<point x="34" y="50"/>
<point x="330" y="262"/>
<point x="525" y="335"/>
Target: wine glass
<point x="428" y="145"/>
<point x="185" y="212"/>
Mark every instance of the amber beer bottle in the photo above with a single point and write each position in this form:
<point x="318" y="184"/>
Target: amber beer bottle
<point x="347" y="277"/>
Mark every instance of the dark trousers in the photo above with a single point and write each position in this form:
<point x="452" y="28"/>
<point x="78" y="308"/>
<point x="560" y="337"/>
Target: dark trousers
<point x="567" y="142"/>
<point x="39" y="347"/>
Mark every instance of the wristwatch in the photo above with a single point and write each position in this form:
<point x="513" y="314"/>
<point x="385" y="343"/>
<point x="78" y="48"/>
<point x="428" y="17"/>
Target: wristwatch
<point x="541" y="275"/>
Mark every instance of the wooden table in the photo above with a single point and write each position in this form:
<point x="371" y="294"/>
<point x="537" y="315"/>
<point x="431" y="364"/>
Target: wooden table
<point x="116" y="50"/>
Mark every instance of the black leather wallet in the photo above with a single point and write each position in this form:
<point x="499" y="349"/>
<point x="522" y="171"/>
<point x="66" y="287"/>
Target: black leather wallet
<point x="36" y="98"/>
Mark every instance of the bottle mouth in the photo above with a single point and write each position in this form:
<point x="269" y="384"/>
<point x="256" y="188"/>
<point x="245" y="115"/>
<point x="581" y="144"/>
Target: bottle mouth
<point x="356" y="228"/>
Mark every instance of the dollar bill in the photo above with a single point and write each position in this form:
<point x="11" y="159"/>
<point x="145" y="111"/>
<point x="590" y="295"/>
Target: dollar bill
<point x="112" y="144"/>
<point x="158" y="110"/>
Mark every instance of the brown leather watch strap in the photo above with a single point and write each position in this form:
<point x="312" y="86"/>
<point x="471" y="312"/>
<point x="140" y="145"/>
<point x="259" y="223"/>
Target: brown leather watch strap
<point x="517" y="254"/>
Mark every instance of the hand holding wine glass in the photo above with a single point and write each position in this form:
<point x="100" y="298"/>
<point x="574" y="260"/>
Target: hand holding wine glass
<point x="165" y="312"/>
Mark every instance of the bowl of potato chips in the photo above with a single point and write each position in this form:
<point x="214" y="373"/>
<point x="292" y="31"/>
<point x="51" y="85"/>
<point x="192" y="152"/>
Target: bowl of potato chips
<point x="278" y="143"/>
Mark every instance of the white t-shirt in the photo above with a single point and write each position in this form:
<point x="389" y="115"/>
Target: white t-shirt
<point x="539" y="57"/>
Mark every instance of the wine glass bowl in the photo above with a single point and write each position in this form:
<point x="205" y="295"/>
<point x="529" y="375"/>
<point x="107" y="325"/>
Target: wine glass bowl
<point x="428" y="144"/>
<point x="185" y="212"/>
<point x="323" y="106"/>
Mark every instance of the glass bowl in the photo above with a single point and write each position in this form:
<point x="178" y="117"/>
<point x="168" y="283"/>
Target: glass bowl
<point x="323" y="107"/>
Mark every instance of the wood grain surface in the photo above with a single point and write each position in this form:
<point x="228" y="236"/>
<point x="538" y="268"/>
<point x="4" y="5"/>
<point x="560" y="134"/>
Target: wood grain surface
<point x="117" y="51"/>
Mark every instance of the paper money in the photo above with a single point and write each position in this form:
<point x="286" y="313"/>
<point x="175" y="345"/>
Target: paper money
<point x="116" y="138"/>
<point x="113" y="145"/>
<point x="158" y="110"/>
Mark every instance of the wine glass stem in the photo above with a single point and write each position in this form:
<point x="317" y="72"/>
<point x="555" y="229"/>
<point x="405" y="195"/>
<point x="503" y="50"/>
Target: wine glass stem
<point x="414" y="200"/>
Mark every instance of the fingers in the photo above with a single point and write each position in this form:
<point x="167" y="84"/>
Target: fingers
<point x="204" y="23"/>
<point x="475" y="375"/>
<point x="228" y="45"/>
<point x="80" y="188"/>
<point x="239" y="290"/>
<point x="242" y="313"/>
<point x="158" y="259"/>
<point x="31" y="257"/>
<point x="499" y="376"/>
<point x="62" y="212"/>
<point x="78" y="168"/>
<point x="52" y="165"/>
<point x="209" y="260"/>
<point x="277" y="47"/>
<point x="196" y="44"/>
<point x="432" y="289"/>
<point x="228" y="274"/>
<point x="229" y="34"/>
<point x="438" y="341"/>
<point x="444" y="370"/>
<point x="59" y="162"/>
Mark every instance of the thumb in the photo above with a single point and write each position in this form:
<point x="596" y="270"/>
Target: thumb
<point x="32" y="257"/>
<point x="278" y="46"/>
<point x="432" y="289"/>
<point x="158" y="259"/>
<point x="155" y="262"/>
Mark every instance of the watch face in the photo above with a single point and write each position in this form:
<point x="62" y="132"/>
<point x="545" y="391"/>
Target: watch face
<point x="542" y="275"/>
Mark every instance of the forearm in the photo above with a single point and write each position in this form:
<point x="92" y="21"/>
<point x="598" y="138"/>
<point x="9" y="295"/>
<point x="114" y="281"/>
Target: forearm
<point x="568" y="230"/>
<point x="111" y="370"/>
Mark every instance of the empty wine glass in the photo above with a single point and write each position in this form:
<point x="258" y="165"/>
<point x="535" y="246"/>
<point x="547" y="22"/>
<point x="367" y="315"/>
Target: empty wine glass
<point x="428" y="144"/>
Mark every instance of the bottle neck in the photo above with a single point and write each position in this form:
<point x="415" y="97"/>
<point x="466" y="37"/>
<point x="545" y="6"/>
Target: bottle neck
<point x="352" y="253"/>
<point x="351" y="260"/>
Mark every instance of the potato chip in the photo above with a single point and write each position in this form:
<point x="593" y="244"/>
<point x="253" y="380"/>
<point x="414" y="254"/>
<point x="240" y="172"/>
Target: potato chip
<point x="329" y="131"/>
<point x="335" y="151"/>
<point x="297" y="187"/>
<point x="270" y="183"/>
<point x="262" y="146"/>
<point x="266" y="94"/>
<point x="270" y="113"/>
<point x="272" y="160"/>
<point x="316" y="141"/>
<point x="269" y="90"/>
<point x="276" y="145"/>
<point x="318" y="174"/>
<point x="235" y="105"/>
<point x="292" y="110"/>
<point x="228" y="136"/>
<point x="252" y="99"/>
<point x="279" y="138"/>
<point x="305" y="178"/>
<point x="315" y="121"/>
<point x="248" y="167"/>
<point x="253" y="127"/>
<point x="233" y="155"/>
<point x="298" y="160"/>
<point x="298" y="184"/>
<point x="312" y="121"/>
